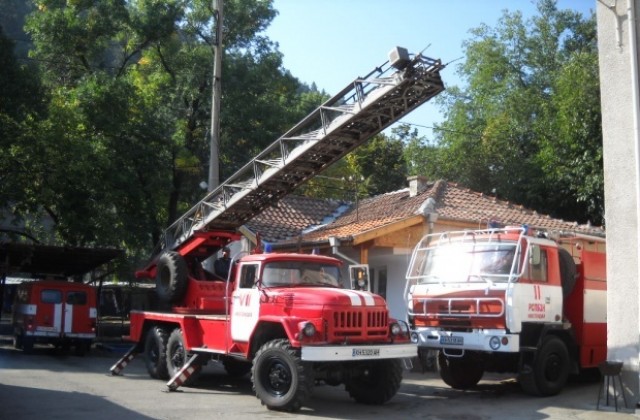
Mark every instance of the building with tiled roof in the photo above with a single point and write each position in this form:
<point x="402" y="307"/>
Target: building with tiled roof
<point x="382" y="231"/>
<point x="294" y="215"/>
<point x="455" y="206"/>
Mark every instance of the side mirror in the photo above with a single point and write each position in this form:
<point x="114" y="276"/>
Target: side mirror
<point x="359" y="277"/>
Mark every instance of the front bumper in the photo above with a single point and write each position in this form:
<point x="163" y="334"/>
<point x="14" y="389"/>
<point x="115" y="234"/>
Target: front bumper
<point x="358" y="352"/>
<point x="479" y="340"/>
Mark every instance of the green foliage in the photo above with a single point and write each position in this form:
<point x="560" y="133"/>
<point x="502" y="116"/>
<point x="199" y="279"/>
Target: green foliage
<point x="123" y="144"/>
<point x="526" y="126"/>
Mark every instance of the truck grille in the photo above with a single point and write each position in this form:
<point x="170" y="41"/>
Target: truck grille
<point x="359" y="323"/>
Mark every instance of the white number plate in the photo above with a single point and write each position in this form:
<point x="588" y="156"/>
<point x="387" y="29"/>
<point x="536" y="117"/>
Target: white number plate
<point x="365" y="352"/>
<point x="452" y="340"/>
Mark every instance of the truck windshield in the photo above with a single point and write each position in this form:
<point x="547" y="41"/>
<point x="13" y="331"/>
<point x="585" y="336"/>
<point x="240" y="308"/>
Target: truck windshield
<point x="455" y="263"/>
<point x="300" y="273"/>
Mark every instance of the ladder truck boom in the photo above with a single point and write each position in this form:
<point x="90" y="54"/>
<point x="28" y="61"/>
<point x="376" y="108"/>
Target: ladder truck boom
<point x="364" y="108"/>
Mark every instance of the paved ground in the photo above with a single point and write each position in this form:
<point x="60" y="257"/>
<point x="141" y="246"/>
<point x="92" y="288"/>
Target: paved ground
<point x="50" y="385"/>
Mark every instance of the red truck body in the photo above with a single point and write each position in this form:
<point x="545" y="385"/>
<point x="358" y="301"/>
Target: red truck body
<point x="55" y="312"/>
<point x="509" y="300"/>
<point x="286" y="318"/>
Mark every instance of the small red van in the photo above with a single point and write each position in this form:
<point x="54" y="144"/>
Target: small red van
<point x="55" y="312"/>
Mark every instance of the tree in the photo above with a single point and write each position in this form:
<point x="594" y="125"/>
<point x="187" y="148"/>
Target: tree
<point x="123" y="146"/>
<point x="526" y="126"/>
<point x="381" y="163"/>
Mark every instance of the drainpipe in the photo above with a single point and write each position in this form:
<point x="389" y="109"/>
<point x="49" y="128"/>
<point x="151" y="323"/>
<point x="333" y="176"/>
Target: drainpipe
<point x="335" y="243"/>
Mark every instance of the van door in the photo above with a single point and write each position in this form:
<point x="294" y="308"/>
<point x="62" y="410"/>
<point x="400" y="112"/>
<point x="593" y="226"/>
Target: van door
<point x="49" y="312"/>
<point x="78" y="314"/>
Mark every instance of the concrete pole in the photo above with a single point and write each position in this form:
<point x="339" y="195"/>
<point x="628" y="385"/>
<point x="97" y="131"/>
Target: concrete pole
<point x="214" y="163"/>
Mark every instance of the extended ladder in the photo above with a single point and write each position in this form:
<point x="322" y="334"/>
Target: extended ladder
<point x="360" y="111"/>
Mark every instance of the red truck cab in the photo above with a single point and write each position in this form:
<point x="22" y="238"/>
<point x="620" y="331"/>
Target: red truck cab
<point x="55" y="312"/>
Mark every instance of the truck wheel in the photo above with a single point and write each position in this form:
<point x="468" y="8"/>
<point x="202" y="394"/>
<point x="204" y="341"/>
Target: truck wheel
<point x="375" y="382"/>
<point x="17" y="341"/>
<point x="568" y="271"/>
<point x="82" y="347"/>
<point x="550" y="369"/>
<point x="27" y="344"/>
<point x="155" y="352"/>
<point x="171" y="277"/>
<point x="280" y="380"/>
<point x="177" y="356"/>
<point x="236" y="368"/>
<point x="460" y="372"/>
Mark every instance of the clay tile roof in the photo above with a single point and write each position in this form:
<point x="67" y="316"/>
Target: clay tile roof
<point x="294" y="214"/>
<point x="452" y="202"/>
<point x="466" y="205"/>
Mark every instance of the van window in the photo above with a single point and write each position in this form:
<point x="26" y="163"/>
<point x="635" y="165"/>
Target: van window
<point x="76" y="298"/>
<point x="51" y="296"/>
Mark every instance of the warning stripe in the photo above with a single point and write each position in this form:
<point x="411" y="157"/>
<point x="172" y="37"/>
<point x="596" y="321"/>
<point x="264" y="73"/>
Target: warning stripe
<point x="359" y="298"/>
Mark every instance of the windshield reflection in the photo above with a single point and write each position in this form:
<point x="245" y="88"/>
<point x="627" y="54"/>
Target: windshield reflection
<point x="454" y="263"/>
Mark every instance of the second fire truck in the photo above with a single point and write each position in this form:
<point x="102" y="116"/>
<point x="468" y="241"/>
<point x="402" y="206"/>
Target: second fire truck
<point x="509" y="300"/>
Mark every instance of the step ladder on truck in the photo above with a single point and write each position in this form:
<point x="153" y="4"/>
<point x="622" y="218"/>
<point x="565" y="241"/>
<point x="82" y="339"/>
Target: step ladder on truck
<point x="283" y="318"/>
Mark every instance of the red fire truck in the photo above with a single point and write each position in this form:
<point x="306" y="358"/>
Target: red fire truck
<point x="509" y="300"/>
<point x="286" y="318"/>
<point x="54" y="312"/>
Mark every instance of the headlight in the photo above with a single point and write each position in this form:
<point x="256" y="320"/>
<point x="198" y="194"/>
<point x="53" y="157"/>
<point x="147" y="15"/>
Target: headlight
<point x="395" y="329"/>
<point x="308" y="329"/>
<point x="494" y="343"/>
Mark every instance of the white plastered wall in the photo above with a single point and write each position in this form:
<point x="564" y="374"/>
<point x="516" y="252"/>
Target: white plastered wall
<point x="622" y="173"/>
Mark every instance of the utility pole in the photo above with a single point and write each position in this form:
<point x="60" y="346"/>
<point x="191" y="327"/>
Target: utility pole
<point x="214" y="162"/>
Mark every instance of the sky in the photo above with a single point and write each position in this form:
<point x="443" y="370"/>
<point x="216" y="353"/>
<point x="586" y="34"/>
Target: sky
<point x="332" y="42"/>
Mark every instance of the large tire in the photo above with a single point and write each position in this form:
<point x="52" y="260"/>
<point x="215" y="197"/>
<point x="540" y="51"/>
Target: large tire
<point x="550" y="369"/>
<point x="460" y="372"/>
<point x="236" y="368"/>
<point x="568" y="272"/>
<point x="155" y="352"/>
<point x="171" y="277"/>
<point x="177" y="356"/>
<point x="17" y="341"/>
<point x="375" y="381"/>
<point x="82" y="347"/>
<point x="280" y="379"/>
<point x="27" y="344"/>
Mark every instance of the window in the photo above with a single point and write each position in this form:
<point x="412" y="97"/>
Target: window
<point x="300" y="273"/>
<point x="382" y="282"/>
<point x="537" y="263"/>
<point x="51" y="296"/>
<point x="248" y="275"/>
<point x="76" y="298"/>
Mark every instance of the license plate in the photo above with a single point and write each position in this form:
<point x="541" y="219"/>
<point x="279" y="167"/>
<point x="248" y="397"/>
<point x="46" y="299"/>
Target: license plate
<point x="452" y="340"/>
<point x="365" y="352"/>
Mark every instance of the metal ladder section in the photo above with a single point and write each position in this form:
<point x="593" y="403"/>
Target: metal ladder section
<point x="360" y="111"/>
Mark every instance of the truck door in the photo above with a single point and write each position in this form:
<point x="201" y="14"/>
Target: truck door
<point x="245" y="307"/>
<point x="537" y="296"/>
